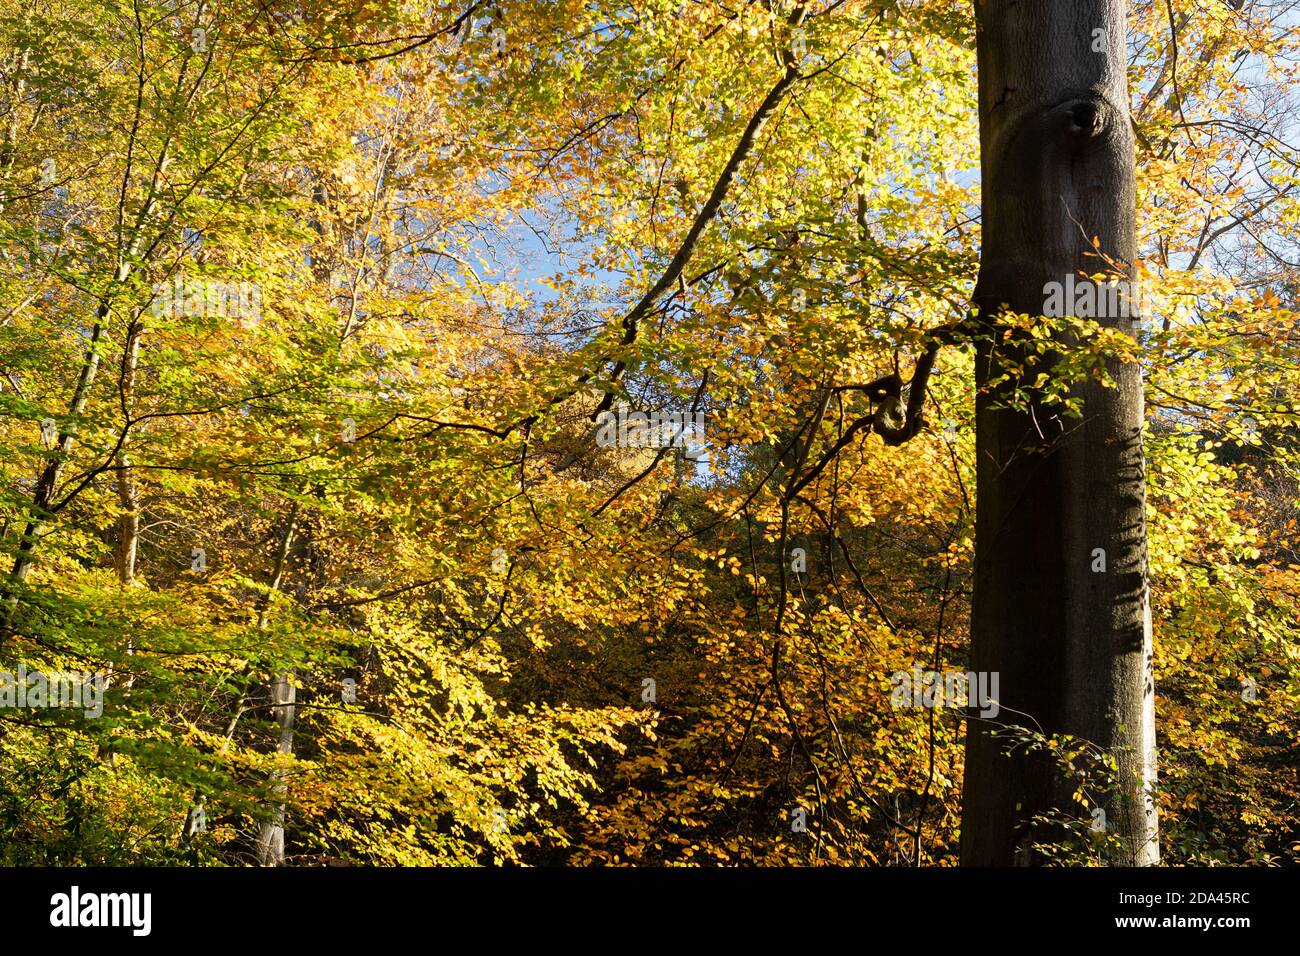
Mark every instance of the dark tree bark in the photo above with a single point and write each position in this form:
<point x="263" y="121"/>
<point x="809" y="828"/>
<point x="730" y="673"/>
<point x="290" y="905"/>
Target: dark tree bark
<point x="1072" y="644"/>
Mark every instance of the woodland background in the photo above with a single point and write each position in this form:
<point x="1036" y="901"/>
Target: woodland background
<point x="470" y="222"/>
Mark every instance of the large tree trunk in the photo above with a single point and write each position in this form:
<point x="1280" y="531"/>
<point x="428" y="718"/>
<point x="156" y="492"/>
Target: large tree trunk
<point x="1072" y="644"/>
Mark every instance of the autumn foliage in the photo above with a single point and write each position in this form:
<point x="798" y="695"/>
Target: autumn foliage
<point x="472" y="228"/>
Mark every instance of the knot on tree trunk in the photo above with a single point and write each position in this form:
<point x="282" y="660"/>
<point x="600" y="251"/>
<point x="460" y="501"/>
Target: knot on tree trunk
<point x="1084" y="119"/>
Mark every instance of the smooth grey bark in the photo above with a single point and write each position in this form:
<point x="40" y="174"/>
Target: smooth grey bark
<point x="128" y="493"/>
<point x="127" y="546"/>
<point x="283" y="694"/>
<point x="270" y="836"/>
<point x="1072" y="645"/>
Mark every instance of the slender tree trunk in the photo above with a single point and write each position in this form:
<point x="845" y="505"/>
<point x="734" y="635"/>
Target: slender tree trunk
<point x="48" y="483"/>
<point x="124" y="553"/>
<point x="270" y="837"/>
<point x="128" y="493"/>
<point x="8" y="146"/>
<point x="1072" y="644"/>
<point x="283" y="694"/>
<point x="128" y="524"/>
